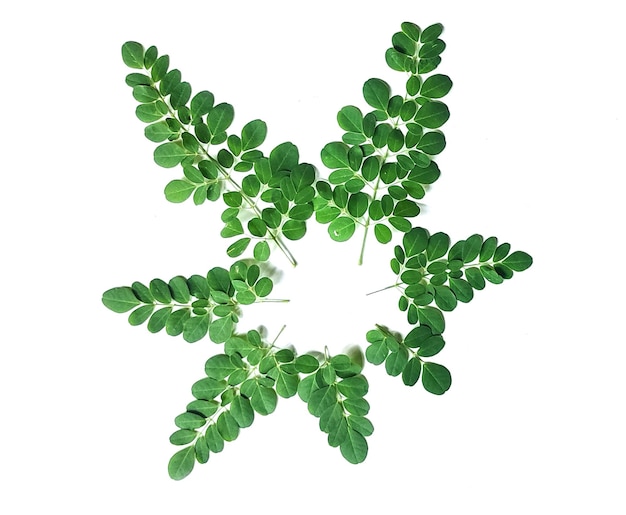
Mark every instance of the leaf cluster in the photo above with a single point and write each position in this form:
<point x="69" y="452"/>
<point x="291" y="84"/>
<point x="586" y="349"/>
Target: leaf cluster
<point x="247" y="380"/>
<point x="434" y="276"/>
<point x="268" y="199"/>
<point x="192" y="306"/>
<point x="384" y="163"/>
<point x="335" y="394"/>
<point x="379" y="171"/>
<point x="404" y="356"/>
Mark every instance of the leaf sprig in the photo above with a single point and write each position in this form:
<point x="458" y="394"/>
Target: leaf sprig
<point x="248" y="379"/>
<point x="193" y="306"/>
<point x="380" y="170"/>
<point x="384" y="163"/>
<point x="274" y="198"/>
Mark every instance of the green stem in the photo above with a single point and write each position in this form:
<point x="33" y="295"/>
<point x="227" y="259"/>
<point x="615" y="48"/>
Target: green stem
<point x="368" y="221"/>
<point x="383" y="289"/>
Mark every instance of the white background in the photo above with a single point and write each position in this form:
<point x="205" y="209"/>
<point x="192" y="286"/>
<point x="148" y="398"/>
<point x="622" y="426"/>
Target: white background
<point x="534" y="420"/>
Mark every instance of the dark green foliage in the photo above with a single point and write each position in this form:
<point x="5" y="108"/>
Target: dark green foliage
<point x="379" y="171"/>
<point x="386" y="155"/>
<point x="195" y="133"/>
<point x="403" y="356"/>
<point x="194" y="306"/>
<point x="335" y="394"/>
<point x="434" y="277"/>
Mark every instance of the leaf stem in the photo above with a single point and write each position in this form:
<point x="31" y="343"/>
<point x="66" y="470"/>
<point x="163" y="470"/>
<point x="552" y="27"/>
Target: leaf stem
<point x="279" y="333"/>
<point x="368" y="221"/>
<point x="383" y="289"/>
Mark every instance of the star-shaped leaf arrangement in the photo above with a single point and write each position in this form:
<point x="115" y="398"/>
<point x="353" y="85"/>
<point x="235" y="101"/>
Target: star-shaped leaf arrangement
<point x="381" y="168"/>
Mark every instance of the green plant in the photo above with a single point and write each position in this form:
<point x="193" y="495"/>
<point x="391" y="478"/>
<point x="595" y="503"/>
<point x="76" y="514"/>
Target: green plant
<point x="379" y="170"/>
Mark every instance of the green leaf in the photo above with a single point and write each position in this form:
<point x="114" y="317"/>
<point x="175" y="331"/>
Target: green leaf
<point x="201" y="103"/>
<point x="341" y="228"/>
<point x="181" y="464"/>
<point x="195" y="328"/>
<point x="377" y="93"/>
<point x="438" y="245"/>
<point x="355" y="386"/>
<point x="159" y="319"/>
<point x="411" y="372"/>
<point x="169" y="154"/>
<point x="218" y="279"/>
<point x="227" y="426"/>
<point x="321" y="399"/>
<point x="415" y="241"/>
<point x="145" y="94"/>
<point x="264" y="400"/>
<point x="133" y="54"/>
<point x="180" y="95"/>
<point x="208" y="388"/>
<point x="189" y="420"/>
<point x="411" y="30"/>
<point x="358" y="204"/>
<point x="120" y="300"/>
<point x="445" y="298"/>
<point x="382" y="233"/>
<point x="350" y="119"/>
<point x="263" y="287"/>
<point x="284" y="157"/>
<point x="377" y="352"/>
<point x="179" y="190"/>
<point x="436" y="86"/>
<point x="253" y="134"/>
<point x="202" y="450"/>
<point x="138" y="79"/>
<point x="501" y="251"/>
<point x="475" y="278"/>
<point x="150" y="57"/>
<point x="406" y="209"/>
<point x="431" y="33"/>
<point x="436" y="378"/>
<point x="183" y="437"/>
<point x="335" y="155"/>
<point x="214" y="440"/>
<point x="238" y="248"/>
<point x="432" y="50"/>
<point x="471" y="248"/>
<point x="158" y="132"/>
<point x="306" y="364"/>
<point x="433" y="318"/>
<point x="432" y="115"/>
<point x="261" y="251"/>
<point x="287" y="384"/>
<point x="179" y="289"/>
<point x="396" y="361"/>
<point x="432" y="143"/>
<point x="159" y="68"/>
<point x="488" y="248"/>
<point x="160" y="291"/>
<point x="354" y="447"/>
<point x="518" y="261"/>
<point x="140" y="315"/>
<point x="462" y="289"/>
<point x="221" y="329"/>
<point x="219" y="366"/>
<point x="241" y="411"/>
<point x="220" y="118"/>
<point x="176" y="321"/>
<point x="403" y="43"/>
<point x="294" y="229"/>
